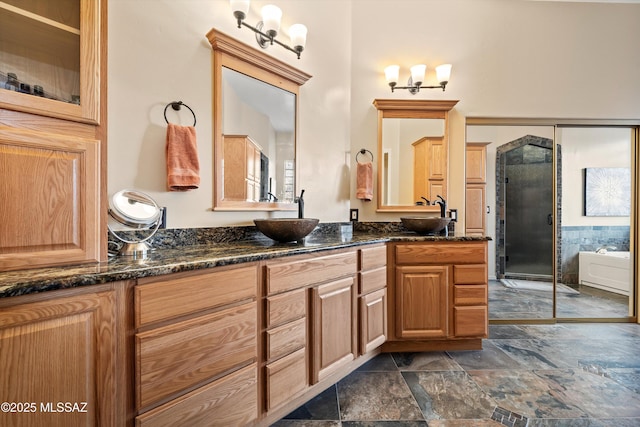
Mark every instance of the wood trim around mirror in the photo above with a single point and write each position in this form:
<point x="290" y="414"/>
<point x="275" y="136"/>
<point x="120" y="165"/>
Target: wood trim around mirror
<point x="413" y="109"/>
<point x="231" y="53"/>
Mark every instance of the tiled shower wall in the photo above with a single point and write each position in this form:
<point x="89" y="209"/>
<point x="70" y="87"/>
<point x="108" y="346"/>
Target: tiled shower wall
<point x="587" y="238"/>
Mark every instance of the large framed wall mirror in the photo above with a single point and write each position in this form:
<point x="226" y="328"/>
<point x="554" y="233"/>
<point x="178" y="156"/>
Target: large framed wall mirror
<point x="413" y="147"/>
<point x="255" y="127"/>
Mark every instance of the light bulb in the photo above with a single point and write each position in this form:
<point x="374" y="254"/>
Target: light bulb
<point x="271" y="16"/>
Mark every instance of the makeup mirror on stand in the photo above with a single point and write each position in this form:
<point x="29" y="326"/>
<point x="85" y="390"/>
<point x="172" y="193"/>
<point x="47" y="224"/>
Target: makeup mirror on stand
<point x="135" y="211"/>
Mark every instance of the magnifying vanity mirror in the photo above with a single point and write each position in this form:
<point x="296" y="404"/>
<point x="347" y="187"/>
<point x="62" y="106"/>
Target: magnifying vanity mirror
<point x="134" y="210"/>
<point x="255" y="127"/>
<point x="413" y="146"/>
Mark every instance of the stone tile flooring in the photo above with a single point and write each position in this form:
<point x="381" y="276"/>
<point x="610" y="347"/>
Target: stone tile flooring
<point x="561" y="375"/>
<point x="507" y="303"/>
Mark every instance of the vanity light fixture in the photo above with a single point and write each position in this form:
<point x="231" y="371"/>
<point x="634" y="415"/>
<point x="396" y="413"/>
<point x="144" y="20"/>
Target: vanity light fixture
<point x="267" y="29"/>
<point x="443" y="72"/>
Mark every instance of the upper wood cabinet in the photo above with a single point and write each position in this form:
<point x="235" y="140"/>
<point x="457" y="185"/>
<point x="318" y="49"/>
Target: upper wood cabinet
<point x="50" y="195"/>
<point x="476" y="187"/>
<point x="54" y="51"/>
<point x="52" y="133"/>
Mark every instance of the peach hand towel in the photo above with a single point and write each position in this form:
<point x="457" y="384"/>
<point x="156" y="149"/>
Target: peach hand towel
<point x="364" y="181"/>
<point x="183" y="166"/>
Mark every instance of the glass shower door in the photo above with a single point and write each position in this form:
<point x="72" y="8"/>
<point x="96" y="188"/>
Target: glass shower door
<point x="528" y="207"/>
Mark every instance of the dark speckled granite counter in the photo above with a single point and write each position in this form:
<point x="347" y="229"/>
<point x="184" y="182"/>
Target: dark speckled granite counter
<point x="180" y="250"/>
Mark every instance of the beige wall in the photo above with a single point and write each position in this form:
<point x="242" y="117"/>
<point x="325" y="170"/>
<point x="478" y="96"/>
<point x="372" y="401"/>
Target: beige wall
<point x="510" y="58"/>
<point x="586" y="148"/>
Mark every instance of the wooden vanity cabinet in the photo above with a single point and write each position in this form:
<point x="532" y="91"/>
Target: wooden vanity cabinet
<point x="64" y="346"/>
<point x="196" y="348"/>
<point x="310" y="323"/>
<point x="372" y="297"/>
<point x="439" y="296"/>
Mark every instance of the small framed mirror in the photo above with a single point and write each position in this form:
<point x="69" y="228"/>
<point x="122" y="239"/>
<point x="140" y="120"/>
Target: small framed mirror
<point x="255" y="127"/>
<point x="413" y="147"/>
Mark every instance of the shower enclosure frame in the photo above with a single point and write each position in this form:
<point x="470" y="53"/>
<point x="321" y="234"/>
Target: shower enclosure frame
<point x="634" y="223"/>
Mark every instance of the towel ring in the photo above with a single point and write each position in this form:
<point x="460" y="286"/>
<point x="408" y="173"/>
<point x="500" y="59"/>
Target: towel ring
<point x="364" y="151"/>
<point x="176" y="105"/>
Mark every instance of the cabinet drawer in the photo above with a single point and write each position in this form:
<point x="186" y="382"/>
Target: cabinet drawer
<point x="286" y="307"/>
<point x="229" y="401"/>
<point x="470" y="321"/>
<point x="470" y="294"/>
<point x="173" y="358"/>
<point x="286" y="378"/>
<point x="373" y="280"/>
<point x="371" y="258"/>
<point x="171" y="296"/>
<point x="442" y="253"/>
<point x="296" y="274"/>
<point x="286" y="339"/>
<point x="470" y="274"/>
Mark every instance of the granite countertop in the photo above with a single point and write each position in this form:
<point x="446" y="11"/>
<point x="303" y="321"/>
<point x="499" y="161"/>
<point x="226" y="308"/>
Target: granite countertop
<point x="165" y="260"/>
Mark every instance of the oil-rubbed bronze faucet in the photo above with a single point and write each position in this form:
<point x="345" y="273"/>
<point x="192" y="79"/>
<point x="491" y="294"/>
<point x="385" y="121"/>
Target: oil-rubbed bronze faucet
<point x="300" y="201"/>
<point x="443" y="206"/>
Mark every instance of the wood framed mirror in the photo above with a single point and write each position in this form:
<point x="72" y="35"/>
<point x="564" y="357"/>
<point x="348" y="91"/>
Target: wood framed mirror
<point x="255" y="116"/>
<point x="413" y="159"/>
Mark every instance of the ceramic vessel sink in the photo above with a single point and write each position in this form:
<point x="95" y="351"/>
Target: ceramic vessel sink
<point x="425" y="225"/>
<point x="286" y="229"/>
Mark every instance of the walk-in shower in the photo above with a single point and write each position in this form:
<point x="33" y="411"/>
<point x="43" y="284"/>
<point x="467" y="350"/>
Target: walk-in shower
<point x="524" y="198"/>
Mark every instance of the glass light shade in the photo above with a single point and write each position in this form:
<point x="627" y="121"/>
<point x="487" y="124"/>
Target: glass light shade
<point x="240" y="6"/>
<point x="443" y="72"/>
<point x="417" y="74"/>
<point x="298" y="34"/>
<point x="392" y="72"/>
<point x="271" y="16"/>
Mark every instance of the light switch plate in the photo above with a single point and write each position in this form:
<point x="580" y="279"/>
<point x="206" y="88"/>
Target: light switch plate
<point x="353" y="214"/>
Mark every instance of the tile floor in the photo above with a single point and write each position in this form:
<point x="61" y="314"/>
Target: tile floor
<point x="508" y="303"/>
<point x="566" y="375"/>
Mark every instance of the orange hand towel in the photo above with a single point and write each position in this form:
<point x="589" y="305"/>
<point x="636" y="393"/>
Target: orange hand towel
<point x="183" y="167"/>
<point x="364" y="181"/>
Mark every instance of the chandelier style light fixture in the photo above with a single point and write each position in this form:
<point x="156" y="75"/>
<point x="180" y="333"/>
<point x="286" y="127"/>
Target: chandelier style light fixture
<point x="443" y="72"/>
<point x="267" y="29"/>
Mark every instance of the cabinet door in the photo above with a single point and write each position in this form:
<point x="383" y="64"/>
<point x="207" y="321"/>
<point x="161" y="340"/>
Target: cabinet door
<point x="475" y="209"/>
<point x="422" y="301"/>
<point x="55" y="46"/>
<point x="373" y="320"/>
<point x="235" y="155"/>
<point x="437" y="160"/>
<point x="332" y="310"/>
<point x="60" y="350"/>
<point x="476" y="169"/>
<point x="50" y="192"/>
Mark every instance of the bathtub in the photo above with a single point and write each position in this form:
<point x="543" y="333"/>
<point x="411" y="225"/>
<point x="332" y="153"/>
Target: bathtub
<point x="608" y="271"/>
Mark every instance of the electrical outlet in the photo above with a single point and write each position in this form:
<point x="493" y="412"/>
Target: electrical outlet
<point x="353" y="214"/>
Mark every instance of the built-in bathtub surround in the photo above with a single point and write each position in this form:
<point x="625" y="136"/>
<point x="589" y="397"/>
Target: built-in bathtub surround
<point x="609" y="271"/>
<point x="578" y="239"/>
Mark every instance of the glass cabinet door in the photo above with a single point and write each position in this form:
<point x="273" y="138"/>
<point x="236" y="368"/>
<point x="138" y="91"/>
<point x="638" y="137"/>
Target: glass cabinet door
<point x="49" y="58"/>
